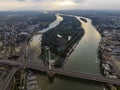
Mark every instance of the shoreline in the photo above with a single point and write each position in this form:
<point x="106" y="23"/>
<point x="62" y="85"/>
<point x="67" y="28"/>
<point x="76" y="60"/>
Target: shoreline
<point x="69" y="45"/>
<point x="110" y="63"/>
<point x="73" y="47"/>
<point x="70" y="52"/>
<point x="105" y="59"/>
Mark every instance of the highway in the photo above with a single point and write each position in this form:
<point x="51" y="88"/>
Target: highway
<point x="4" y="85"/>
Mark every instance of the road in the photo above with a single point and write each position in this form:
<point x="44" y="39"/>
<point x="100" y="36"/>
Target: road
<point x="4" y="85"/>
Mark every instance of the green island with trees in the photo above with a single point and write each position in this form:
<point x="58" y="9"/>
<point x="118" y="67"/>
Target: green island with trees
<point x="62" y="38"/>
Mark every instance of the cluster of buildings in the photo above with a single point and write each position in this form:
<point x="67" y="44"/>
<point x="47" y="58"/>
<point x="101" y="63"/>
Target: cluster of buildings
<point x="106" y="22"/>
<point x="14" y="33"/>
<point x="110" y="46"/>
<point x="109" y="27"/>
<point x="15" y="30"/>
<point x="10" y="34"/>
<point x="32" y="83"/>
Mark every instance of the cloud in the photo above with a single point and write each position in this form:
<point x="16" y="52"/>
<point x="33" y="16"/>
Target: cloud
<point x="79" y="1"/>
<point x="21" y="0"/>
<point x="76" y="1"/>
<point x="58" y="4"/>
<point x="39" y="0"/>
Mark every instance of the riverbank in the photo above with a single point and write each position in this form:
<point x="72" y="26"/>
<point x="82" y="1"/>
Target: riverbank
<point x="73" y="48"/>
<point x="106" y="50"/>
<point x="70" y="52"/>
<point x="109" y="46"/>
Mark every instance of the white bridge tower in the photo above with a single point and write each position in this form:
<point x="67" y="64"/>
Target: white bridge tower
<point x="49" y="58"/>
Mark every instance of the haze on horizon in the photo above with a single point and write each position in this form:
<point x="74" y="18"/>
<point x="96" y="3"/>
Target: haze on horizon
<point x="6" y="5"/>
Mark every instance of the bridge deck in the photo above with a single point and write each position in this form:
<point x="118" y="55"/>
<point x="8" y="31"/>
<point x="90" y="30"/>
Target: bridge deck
<point x="87" y="76"/>
<point x="65" y="72"/>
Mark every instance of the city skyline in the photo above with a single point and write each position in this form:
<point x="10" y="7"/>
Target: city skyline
<point x="7" y="5"/>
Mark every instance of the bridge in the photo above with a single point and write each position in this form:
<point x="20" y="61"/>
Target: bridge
<point x="64" y="72"/>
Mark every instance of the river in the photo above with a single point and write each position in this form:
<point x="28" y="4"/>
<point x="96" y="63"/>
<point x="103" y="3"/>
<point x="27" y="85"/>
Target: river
<point x="83" y="59"/>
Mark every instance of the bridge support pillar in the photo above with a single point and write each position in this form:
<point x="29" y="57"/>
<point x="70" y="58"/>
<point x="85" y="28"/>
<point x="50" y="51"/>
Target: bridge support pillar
<point x="51" y="76"/>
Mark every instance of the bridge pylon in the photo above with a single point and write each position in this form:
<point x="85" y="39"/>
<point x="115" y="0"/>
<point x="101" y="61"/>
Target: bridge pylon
<point x="49" y="58"/>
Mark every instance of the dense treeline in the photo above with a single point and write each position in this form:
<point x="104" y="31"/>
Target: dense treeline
<point x="62" y="38"/>
<point x="43" y="18"/>
<point x="84" y="20"/>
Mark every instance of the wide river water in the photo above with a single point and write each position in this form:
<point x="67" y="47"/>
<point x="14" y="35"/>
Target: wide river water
<point x="82" y="59"/>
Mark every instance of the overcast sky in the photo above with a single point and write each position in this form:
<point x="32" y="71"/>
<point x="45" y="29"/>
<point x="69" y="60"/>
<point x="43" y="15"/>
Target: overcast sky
<point x="58" y="4"/>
